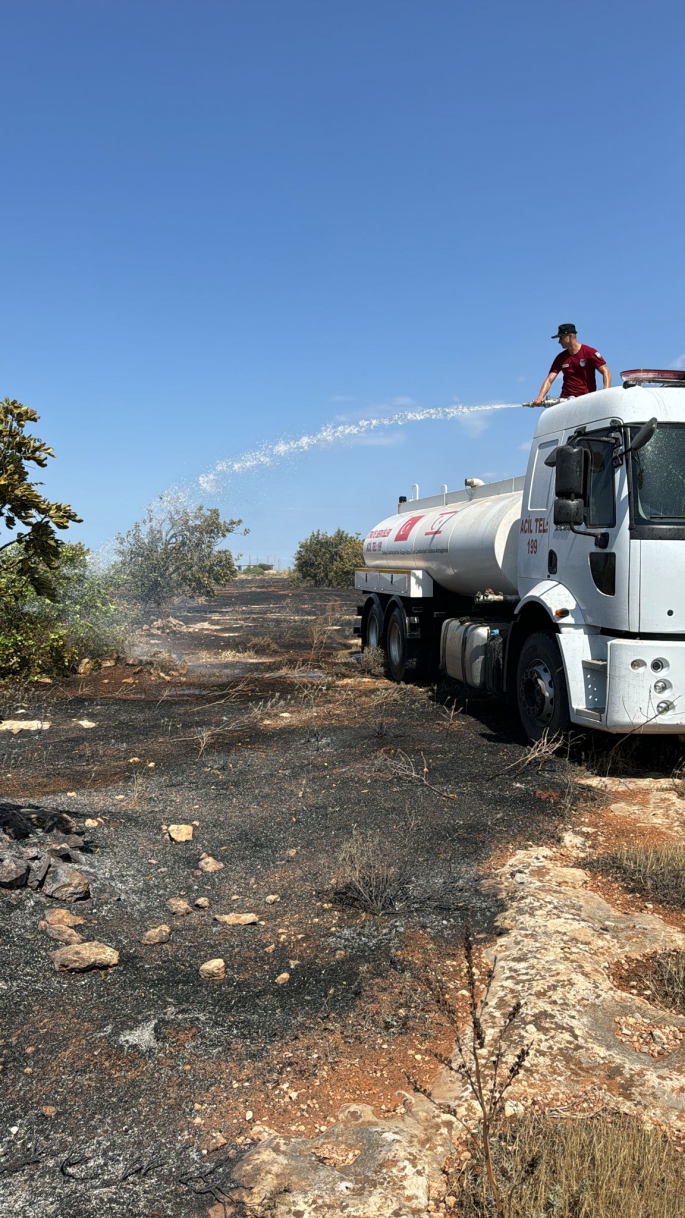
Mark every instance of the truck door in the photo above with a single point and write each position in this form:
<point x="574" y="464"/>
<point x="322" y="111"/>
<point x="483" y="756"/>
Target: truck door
<point x="599" y="578"/>
<point x="536" y="516"/>
<point x="657" y="529"/>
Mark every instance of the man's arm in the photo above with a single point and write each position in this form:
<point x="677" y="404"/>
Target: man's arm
<point x="606" y="376"/>
<point x="547" y="384"/>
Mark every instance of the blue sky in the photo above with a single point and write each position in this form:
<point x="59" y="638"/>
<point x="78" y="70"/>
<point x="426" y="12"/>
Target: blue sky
<point x="227" y="221"/>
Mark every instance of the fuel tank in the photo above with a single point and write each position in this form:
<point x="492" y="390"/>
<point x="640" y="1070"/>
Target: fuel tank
<point x="466" y="540"/>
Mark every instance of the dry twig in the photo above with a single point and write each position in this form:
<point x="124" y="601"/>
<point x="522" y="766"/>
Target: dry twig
<point x="539" y="753"/>
<point x="488" y="1068"/>
<point x="403" y="766"/>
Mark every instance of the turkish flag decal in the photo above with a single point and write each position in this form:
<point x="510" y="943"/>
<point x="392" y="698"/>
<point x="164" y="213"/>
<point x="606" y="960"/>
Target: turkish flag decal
<point x="405" y="529"/>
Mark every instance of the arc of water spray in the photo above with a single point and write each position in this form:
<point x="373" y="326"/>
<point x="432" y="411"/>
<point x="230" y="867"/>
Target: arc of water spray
<point x="214" y="480"/>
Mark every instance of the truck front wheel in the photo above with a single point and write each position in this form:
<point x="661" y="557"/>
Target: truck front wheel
<point x="541" y="693"/>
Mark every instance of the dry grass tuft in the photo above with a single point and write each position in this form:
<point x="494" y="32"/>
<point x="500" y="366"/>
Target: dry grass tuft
<point x="140" y="787"/>
<point x="678" y="780"/>
<point x="663" y="974"/>
<point x="372" y="662"/>
<point x="260" y="645"/>
<point x="369" y="874"/>
<point x="322" y="632"/>
<point x="655" y="871"/>
<point x="586" y="1168"/>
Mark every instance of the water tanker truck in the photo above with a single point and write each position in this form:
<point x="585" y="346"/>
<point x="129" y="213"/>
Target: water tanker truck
<point x="562" y="590"/>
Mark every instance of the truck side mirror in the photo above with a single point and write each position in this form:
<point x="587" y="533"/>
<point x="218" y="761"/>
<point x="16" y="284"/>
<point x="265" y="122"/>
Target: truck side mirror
<point x="643" y="436"/>
<point x="568" y="511"/>
<point x="569" y="483"/>
<point x="570" y="471"/>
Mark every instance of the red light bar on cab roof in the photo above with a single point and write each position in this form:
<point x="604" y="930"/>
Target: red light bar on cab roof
<point x="654" y="376"/>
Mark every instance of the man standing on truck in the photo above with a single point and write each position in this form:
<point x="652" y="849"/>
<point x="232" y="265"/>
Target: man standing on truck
<point x="578" y="364"/>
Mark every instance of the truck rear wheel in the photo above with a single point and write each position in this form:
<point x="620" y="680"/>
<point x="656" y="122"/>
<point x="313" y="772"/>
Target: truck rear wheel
<point x="541" y="693"/>
<point x="404" y="657"/>
<point x="396" y="645"/>
<point x="373" y="626"/>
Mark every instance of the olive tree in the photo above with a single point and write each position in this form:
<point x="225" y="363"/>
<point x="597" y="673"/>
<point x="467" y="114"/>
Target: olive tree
<point x="29" y="519"/>
<point x="173" y="551"/>
<point x="329" y="560"/>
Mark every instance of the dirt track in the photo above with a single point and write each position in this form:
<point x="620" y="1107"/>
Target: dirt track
<point x="256" y="725"/>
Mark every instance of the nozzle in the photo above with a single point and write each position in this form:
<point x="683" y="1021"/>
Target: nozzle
<point x="543" y="405"/>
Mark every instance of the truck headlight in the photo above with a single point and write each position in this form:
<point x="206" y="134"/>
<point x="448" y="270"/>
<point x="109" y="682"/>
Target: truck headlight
<point x="661" y="686"/>
<point x="662" y="708"/>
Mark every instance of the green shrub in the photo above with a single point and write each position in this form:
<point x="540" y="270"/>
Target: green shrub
<point x="96" y="617"/>
<point x="82" y="617"/>
<point x="329" y="560"/>
<point x="173" y="552"/>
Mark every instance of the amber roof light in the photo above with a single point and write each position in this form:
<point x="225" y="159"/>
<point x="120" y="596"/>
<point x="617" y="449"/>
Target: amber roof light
<point x="652" y="376"/>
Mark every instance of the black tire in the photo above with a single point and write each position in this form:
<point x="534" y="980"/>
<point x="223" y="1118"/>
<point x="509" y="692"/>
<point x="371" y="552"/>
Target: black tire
<point x="541" y="694"/>
<point x="405" y="659"/>
<point x="373" y="627"/>
<point x="396" y="645"/>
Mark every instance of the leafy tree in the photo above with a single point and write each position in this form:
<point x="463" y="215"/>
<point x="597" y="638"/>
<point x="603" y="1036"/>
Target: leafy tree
<point x="36" y="550"/>
<point x="173" y="552"/>
<point x="96" y="619"/>
<point x="329" y="560"/>
<point x="82" y="617"/>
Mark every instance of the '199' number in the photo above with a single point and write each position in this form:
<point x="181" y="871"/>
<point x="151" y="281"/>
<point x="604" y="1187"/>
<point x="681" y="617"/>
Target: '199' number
<point x="532" y="545"/>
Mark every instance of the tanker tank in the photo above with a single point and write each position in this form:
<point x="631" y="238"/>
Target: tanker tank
<point x="466" y="540"/>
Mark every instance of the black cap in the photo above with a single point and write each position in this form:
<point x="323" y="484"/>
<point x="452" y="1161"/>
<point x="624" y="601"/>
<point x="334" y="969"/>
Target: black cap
<point x="566" y="327"/>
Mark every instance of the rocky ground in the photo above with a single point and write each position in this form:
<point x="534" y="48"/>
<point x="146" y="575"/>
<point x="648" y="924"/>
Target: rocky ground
<point x="198" y="1016"/>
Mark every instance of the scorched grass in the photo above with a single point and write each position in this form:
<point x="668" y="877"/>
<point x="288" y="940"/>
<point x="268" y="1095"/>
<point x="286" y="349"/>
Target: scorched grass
<point x="586" y="1168"/>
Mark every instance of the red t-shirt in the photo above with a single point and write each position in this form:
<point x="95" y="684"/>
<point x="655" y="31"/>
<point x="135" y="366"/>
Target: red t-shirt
<point x="579" y="370"/>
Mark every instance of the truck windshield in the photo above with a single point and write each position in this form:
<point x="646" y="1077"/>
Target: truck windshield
<point x="658" y="477"/>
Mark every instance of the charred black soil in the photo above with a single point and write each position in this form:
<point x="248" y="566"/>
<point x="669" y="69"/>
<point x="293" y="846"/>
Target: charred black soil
<point x="127" y="1091"/>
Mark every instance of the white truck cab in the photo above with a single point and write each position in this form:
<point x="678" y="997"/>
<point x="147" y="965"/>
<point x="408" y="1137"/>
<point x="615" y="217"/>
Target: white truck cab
<point x="564" y="590"/>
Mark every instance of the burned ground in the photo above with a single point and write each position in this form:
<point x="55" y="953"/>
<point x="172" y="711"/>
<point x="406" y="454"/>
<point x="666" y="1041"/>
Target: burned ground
<point x="250" y="718"/>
